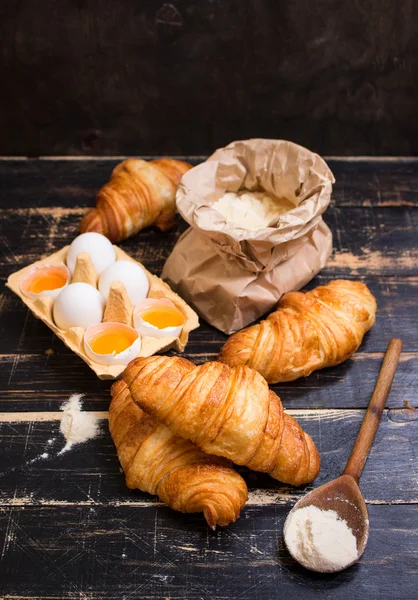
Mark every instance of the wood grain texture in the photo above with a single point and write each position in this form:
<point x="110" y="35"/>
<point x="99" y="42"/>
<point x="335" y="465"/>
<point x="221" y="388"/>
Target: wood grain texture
<point x="370" y="424"/>
<point x="154" y="553"/>
<point x="73" y="183"/>
<point x="396" y="299"/>
<point x="186" y="77"/>
<point x="384" y="243"/>
<point x="69" y="527"/>
<point x="42" y="382"/>
<point x="35" y="473"/>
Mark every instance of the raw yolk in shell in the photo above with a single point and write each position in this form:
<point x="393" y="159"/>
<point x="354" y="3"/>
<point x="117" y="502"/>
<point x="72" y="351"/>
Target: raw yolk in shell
<point x="47" y="281"/>
<point x="162" y="317"/>
<point x="112" y="342"/>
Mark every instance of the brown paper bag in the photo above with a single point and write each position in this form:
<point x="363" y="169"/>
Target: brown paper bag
<point x="232" y="275"/>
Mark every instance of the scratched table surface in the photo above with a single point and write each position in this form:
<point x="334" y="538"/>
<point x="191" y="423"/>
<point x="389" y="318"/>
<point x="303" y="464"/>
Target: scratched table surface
<point x="69" y="528"/>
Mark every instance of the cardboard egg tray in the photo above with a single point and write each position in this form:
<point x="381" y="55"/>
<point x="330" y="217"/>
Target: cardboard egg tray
<point x="73" y="338"/>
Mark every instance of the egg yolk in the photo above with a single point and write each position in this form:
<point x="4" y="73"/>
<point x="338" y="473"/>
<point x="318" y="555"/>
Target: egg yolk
<point x="162" y="317"/>
<point x="47" y="281"/>
<point x="112" y="342"/>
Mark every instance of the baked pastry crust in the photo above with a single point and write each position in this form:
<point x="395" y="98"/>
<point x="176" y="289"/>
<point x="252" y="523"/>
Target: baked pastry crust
<point x="158" y="462"/>
<point x="139" y="194"/>
<point x="308" y="331"/>
<point x="225" y="411"/>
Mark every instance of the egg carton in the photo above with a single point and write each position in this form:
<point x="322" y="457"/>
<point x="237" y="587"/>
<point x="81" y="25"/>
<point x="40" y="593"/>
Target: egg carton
<point x="74" y="337"/>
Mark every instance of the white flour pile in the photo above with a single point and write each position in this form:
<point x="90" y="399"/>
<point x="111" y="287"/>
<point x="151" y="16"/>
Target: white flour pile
<point x="77" y="426"/>
<point x="320" y="539"/>
<point x="250" y="210"/>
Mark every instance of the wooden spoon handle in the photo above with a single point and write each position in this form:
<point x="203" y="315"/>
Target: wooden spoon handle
<point x="364" y="441"/>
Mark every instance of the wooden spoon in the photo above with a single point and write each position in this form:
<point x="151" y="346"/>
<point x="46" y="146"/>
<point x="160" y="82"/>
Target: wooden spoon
<point x="343" y="494"/>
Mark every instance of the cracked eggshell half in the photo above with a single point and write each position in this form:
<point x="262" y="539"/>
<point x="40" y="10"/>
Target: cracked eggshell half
<point x="112" y="343"/>
<point x="78" y="305"/>
<point x="45" y="280"/>
<point x="158" y="318"/>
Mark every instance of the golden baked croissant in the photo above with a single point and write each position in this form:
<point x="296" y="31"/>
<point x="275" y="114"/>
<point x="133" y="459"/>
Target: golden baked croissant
<point x="307" y="331"/>
<point x="226" y="412"/>
<point x="158" y="462"/>
<point x="139" y="194"/>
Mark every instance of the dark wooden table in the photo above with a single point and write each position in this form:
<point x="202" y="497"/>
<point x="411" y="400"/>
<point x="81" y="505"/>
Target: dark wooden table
<point x="69" y="528"/>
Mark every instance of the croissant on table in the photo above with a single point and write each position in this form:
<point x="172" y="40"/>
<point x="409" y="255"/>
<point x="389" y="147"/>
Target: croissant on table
<point x="226" y="412"/>
<point x="307" y="331"/>
<point x="139" y="194"/>
<point x="158" y="462"/>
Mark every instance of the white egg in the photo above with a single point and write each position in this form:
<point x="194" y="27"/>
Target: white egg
<point x="130" y="274"/>
<point x="157" y="306"/>
<point x="41" y="278"/>
<point x="115" y="330"/>
<point x="101" y="251"/>
<point x="78" y="305"/>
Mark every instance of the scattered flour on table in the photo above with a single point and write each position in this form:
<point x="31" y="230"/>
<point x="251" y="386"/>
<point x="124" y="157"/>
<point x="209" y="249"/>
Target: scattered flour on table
<point x="77" y="426"/>
<point x="40" y="457"/>
<point x="320" y="539"/>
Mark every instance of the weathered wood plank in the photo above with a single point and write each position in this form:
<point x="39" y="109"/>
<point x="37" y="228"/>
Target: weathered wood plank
<point x="58" y="183"/>
<point x="34" y="472"/>
<point x="74" y="183"/>
<point x="375" y="182"/>
<point x="397" y="299"/>
<point x="71" y="527"/>
<point x="372" y="241"/>
<point x="367" y="241"/>
<point x="41" y="382"/>
<point x="108" y="554"/>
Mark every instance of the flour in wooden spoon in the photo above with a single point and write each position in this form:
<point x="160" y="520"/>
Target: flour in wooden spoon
<point x="77" y="426"/>
<point x="320" y="539"/>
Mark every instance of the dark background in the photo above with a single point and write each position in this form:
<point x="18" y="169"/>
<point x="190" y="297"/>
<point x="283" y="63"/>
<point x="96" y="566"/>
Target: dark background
<point x="110" y="77"/>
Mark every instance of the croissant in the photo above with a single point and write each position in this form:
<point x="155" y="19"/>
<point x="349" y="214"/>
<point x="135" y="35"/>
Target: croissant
<point x="226" y="412"/>
<point x="308" y="331"/>
<point x="139" y="194"/>
<point x="158" y="462"/>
